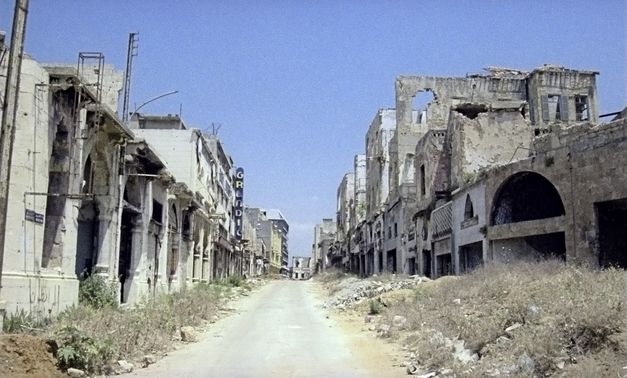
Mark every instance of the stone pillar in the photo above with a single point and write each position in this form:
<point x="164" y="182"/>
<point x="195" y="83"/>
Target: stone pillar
<point x="134" y="285"/>
<point x="173" y="271"/>
<point x="205" y="276"/>
<point x="197" y="257"/>
<point x="103" y="255"/>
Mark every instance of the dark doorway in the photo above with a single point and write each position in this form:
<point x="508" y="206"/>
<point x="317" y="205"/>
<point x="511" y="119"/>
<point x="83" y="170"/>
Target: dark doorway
<point x="444" y="264"/>
<point x="380" y="261"/>
<point x="126" y="247"/>
<point x="86" y="239"/>
<point x="549" y="245"/>
<point x="391" y="261"/>
<point x="426" y="263"/>
<point x="470" y="256"/>
<point x="412" y="266"/>
<point x="612" y="220"/>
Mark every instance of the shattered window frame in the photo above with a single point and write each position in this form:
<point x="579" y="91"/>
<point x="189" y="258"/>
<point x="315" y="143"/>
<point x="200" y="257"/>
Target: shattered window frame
<point x="582" y="108"/>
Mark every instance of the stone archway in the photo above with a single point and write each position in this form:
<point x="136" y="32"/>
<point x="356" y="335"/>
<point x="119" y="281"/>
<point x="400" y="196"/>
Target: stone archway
<point x="528" y="213"/>
<point x="526" y="196"/>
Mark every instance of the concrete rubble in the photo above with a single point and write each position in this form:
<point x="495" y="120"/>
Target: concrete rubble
<point x="354" y="290"/>
<point x="123" y="367"/>
<point x="75" y="373"/>
<point x="189" y="334"/>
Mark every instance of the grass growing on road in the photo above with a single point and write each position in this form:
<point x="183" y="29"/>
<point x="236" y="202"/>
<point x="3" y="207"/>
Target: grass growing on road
<point x="525" y="318"/>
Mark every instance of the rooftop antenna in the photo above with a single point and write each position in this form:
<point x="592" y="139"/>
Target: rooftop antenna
<point x="215" y="127"/>
<point x="132" y="52"/>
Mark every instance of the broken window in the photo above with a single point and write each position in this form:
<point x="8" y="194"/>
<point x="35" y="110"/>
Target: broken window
<point x="554" y="108"/>
<point x="88" y="177"/>
<point x="470" y="218"/>
<point x="581" y="108"/>
<point x="157" y="211"/>
<point x="471" y="110"/>
<point x="420" y="103"/>
<point x="469" y="212"/>
<point x="395" y="230"/>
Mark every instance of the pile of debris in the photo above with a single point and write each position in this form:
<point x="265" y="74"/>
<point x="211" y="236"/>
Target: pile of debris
<point x="354" y="290"/>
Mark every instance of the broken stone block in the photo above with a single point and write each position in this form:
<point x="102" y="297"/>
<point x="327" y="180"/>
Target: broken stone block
<point x="412" y="369"/>
<point x="369" y="319"/>
<point x="513" y="327"/>
<point x="188" y="334"/>
<point x="384" y="330"/>
<point x="526" y="364"/>
<point x="149" y="359"/>
<point x="75" y="373"/>
<point x="123" y="367"/>
<point x="399" y="321"/>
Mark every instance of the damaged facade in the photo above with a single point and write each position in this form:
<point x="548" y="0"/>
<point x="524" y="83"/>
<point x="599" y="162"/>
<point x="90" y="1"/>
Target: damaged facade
<point x="90" y="195"/>
<point x="301" y="268"/>
<point x="492" y="168"/>
<point x="272" y="231"/>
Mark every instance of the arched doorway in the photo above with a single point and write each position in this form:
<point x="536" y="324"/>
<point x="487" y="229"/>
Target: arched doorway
<point x="524" y="197"/>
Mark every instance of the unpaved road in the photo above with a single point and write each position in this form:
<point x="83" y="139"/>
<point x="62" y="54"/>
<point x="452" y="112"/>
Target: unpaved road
<point x="280" y="330"/>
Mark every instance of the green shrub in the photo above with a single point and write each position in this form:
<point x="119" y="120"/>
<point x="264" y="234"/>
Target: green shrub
<point x="235" y="281"/>
<point x="94" y="291"/>
<point x="23" y="321"/>
<point x="375" y="307"/>
<point x="80" y="350"/>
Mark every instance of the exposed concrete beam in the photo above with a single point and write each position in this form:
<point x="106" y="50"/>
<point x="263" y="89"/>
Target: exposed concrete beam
<point x="526" y="228"/>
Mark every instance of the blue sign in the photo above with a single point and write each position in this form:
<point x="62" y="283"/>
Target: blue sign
<point x="238" y="207"/>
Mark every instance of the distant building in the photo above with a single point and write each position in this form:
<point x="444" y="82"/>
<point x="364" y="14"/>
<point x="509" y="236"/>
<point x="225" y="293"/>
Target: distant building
<point x="301" y="268"/>
<point x="272" y="231"/>
<point x="324" y="240"/>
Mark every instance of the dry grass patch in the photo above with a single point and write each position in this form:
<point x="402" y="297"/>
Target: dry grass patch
<point x="519" y="319"/>
<point x="92" y="338"/>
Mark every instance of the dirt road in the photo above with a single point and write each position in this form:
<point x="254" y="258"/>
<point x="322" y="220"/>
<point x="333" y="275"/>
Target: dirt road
<point x="279" y="331"/>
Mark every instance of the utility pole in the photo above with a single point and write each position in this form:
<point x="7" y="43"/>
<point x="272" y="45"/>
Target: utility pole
<point x="132" y="52"/>
<point x="9" y="112"/>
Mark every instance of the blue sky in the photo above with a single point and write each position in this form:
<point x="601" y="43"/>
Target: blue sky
<point x="295" y="84"/>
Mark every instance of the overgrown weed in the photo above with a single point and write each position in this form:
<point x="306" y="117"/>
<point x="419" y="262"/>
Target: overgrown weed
<point x="559" y="312"/>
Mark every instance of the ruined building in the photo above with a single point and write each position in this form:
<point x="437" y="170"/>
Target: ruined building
<point x="323" y="244"/>
<point x="458" y="181"/>
<point x="301" y="268"/>
<point x="345" y="201"/>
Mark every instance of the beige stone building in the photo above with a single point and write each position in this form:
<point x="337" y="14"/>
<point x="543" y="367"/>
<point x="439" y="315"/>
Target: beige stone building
<point x="149" y="207"/>
<point x="63" y="196"/>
